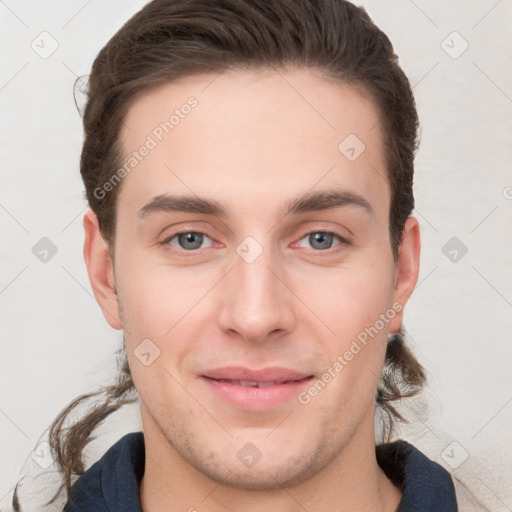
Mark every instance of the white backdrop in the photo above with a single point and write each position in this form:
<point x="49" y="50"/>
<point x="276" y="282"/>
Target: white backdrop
<point x="55" y="341"/>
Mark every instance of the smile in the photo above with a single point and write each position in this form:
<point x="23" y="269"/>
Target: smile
<point x="255" y="390"/>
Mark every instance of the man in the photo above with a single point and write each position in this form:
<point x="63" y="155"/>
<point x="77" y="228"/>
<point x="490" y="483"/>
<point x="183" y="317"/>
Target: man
<point x="249" y="170"/>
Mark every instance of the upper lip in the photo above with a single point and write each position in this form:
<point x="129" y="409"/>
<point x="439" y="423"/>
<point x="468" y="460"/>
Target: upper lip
<point x="241" y="373"/>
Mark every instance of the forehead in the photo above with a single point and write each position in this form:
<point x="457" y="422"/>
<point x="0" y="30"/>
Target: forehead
<point x="265" y="133"/>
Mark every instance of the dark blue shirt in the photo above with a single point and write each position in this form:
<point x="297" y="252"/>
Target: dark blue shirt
<point x="112" y="483"/>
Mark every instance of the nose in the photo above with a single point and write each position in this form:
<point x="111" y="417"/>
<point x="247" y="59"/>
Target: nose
<point x="257" y="304"/>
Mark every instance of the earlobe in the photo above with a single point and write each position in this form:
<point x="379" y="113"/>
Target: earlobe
<point x="100" y="270"/>
<point x="407" y="268"/>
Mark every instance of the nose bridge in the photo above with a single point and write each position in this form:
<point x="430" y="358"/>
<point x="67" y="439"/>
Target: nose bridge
<point x="256" y="304"/>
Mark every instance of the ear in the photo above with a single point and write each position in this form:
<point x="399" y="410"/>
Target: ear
<point x="406" y="269"/>
<point x="100" y="269"/>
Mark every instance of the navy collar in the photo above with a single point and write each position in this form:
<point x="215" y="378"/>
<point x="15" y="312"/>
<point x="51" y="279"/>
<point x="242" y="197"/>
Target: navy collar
<point x="112" y="483"/>
<point x="426" y="486"/>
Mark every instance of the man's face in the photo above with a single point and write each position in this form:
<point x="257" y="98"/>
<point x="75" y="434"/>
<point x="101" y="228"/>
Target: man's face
<point x="254" y="306"/>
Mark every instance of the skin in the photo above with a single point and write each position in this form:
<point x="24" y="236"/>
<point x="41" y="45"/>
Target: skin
<point x="253" y="143"/>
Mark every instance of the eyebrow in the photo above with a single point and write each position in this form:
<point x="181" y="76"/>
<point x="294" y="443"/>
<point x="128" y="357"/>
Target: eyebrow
<point x="309" y="202"/>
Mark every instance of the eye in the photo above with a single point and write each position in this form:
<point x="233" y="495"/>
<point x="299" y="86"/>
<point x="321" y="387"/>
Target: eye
<point x="323" y="240"/>
<point x="187" y="240"/>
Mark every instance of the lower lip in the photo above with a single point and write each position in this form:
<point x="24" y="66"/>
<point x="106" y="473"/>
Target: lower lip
<point x="256" y="399"/>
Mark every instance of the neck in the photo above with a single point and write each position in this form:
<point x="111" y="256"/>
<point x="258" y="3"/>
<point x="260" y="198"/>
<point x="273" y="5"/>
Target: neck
<point x="353" y="481"/>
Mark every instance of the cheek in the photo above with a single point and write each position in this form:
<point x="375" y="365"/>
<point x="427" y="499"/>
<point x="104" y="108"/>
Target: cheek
<point x="348" y="299"/>
<point x="351" y="299"/>
<point x="356" y="305"/>
<point x="155" y="296"/>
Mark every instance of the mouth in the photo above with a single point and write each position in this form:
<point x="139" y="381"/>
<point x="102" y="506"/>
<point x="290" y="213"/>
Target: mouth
<point x="255" y="390"/>
<point x="255" y="384"/>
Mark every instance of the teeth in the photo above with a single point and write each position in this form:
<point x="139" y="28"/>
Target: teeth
<point x="266" y="384"/>
<point x="254" y="384"/>
<point x="246" y="383"/>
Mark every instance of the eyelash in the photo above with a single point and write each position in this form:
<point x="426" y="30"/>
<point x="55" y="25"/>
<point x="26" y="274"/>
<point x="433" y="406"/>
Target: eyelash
<point x="342" y="242"/>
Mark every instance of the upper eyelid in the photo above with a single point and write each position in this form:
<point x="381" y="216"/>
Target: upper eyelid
<point x="336" y="234"/>
<point x="205" y="231"/>
<point x="185" y="231"/>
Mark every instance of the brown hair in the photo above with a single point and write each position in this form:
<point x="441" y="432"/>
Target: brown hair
<point x="171" y="39"/>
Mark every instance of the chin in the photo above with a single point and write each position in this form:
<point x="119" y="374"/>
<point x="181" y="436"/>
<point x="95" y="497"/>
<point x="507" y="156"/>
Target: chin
<point x="272" y="468"/>
<point x="265" y="478"/>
